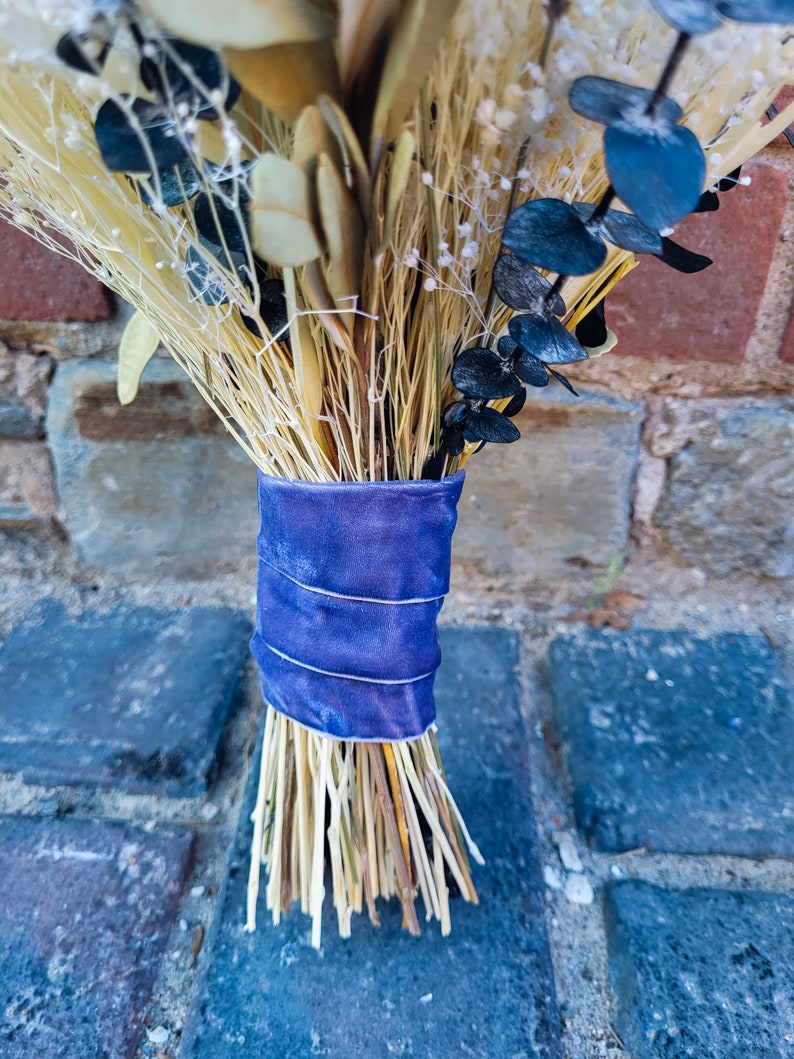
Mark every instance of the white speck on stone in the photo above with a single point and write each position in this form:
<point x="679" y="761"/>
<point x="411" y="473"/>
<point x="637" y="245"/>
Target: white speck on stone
<point x="651" y="674"/>
<point x="196" y="891"/>
<point x="578" y="890"/>
<point x="568" y="855"/>
<point x="159" y="1035"/>
<point x="209" y="811"/>
<point x="552" y="877"/>
<point x="616" y="871"/>
<point x="183" y="925"/>
<point x="426" y="998"/>
<point x="669" y="683"/>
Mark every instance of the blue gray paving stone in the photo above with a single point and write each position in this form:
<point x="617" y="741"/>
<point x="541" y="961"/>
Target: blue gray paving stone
<point x="702" y="973"/>
<point x="84" y="919"/>
<point x="675" y="743"/>
<point x="485" y="991"/>
<point x="134" y="698"/>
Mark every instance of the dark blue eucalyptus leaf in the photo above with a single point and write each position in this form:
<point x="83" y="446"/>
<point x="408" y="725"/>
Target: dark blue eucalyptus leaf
<point x="522" y="287"/>
<point x="780" y="12"/>
<point x="708" y="202"/>
<point x="482" y="373"/>
<point x="187" y="74"/>
<point x="689" y="16"/>
<point x="546" y="338"/>
<point x="532" y="371"/>
<point x="605" y="101"/>
<point x="623" y="229"/>
<point x="507" y="348"/>
<point x="216" y="217"/>
<point x="591" y="330"/>
<point x="516" y="403"/>
<point x="273" y="308"/>
<point x="206" y="280"/>
<point x="177" y="185"/>
<point x="454" y="440"/>
<point x="486" y="424"/>
<point x="123" y="146"/>
<point x="455" y="413"/>
<point x="564" y="381"/>
<point x="551" y="234"/>
<point x="82" y="52"/>
<point x="658" y="171"/>
<point x="681" y="259"/>
<point x="729" y="182"/>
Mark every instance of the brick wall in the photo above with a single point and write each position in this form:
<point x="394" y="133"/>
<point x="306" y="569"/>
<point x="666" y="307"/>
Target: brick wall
<point x="683" y="440"/>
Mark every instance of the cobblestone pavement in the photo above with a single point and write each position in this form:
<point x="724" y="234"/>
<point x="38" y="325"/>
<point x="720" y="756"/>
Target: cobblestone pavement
<point x="630" y="789"/>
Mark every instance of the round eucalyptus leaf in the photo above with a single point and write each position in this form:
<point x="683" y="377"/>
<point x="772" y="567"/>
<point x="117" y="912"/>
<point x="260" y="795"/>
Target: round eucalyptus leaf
<point x="624" y="230"/>
<point x="205" y="277"/>
<point x="545" y="338"/>
<point x="657" y="171"/>
<point x="82" y="52"/>
<point x="551" y="234"/>
<point x="507" y="348"/>
<point x="522" y="287"/>
<point x="709" y="202"/>
<point x="177" y="184"/>
<point x="681" y="259"/>
<point x="482" y="373"/>
<point x="689" y="16"/>
<point x="216" y="216"/>
<point x="189" y="74"/>
<point x="770" y="11"/>
<point x="532" y="371"/>
<point x="606" y="101"/>
<point x="516" y="403"/>
<point x="123" y="138"/>
<point x="591" y="330"/>
<point x="486" y="424"/>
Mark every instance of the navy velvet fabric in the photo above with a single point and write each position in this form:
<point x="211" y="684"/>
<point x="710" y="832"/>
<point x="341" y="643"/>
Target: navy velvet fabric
<point x="351" y="578"/>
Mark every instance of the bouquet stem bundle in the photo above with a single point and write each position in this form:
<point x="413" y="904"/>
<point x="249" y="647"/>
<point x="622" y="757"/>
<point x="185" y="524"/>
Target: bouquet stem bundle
<point x="315" y="246"/>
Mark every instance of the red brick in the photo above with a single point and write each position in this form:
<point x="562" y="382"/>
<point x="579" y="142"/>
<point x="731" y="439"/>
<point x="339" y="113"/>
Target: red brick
<point x="38" y="284"/>
<point x="657" y="312"/>
<point x="787" y="349"/>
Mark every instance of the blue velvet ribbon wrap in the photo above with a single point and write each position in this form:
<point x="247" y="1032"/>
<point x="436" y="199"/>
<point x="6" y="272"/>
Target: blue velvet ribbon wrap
<point x="351" y="578"/>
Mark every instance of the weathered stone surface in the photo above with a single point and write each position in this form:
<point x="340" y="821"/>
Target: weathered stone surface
<point x="559" y="495"/>
<point x="17" y="421"/>
<point x="26" y="492"/>
<point x="133" y="698"/>
<point x="660" y="313"/>
<point x="152" y="489"/>
<point x="677" y="744"/>
<point x="23" y="394"/>
<point x="37" y="284"/>
<point x="702" y="973"/>
<point x="84" y="920"/>
<point x="486" y="990"/>
<point x="729" y="500"/>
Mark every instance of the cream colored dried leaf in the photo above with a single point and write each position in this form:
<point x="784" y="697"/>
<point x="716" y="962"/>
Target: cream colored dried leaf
<point x="242" y="23"/>
<point x="402" y="162"/>
<point x="286" y="77"/>
<point x="344" y="233"/>
<point x="414" y="45"/>
<point x="137" y="347"/>
<point x="281" y="219"/>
